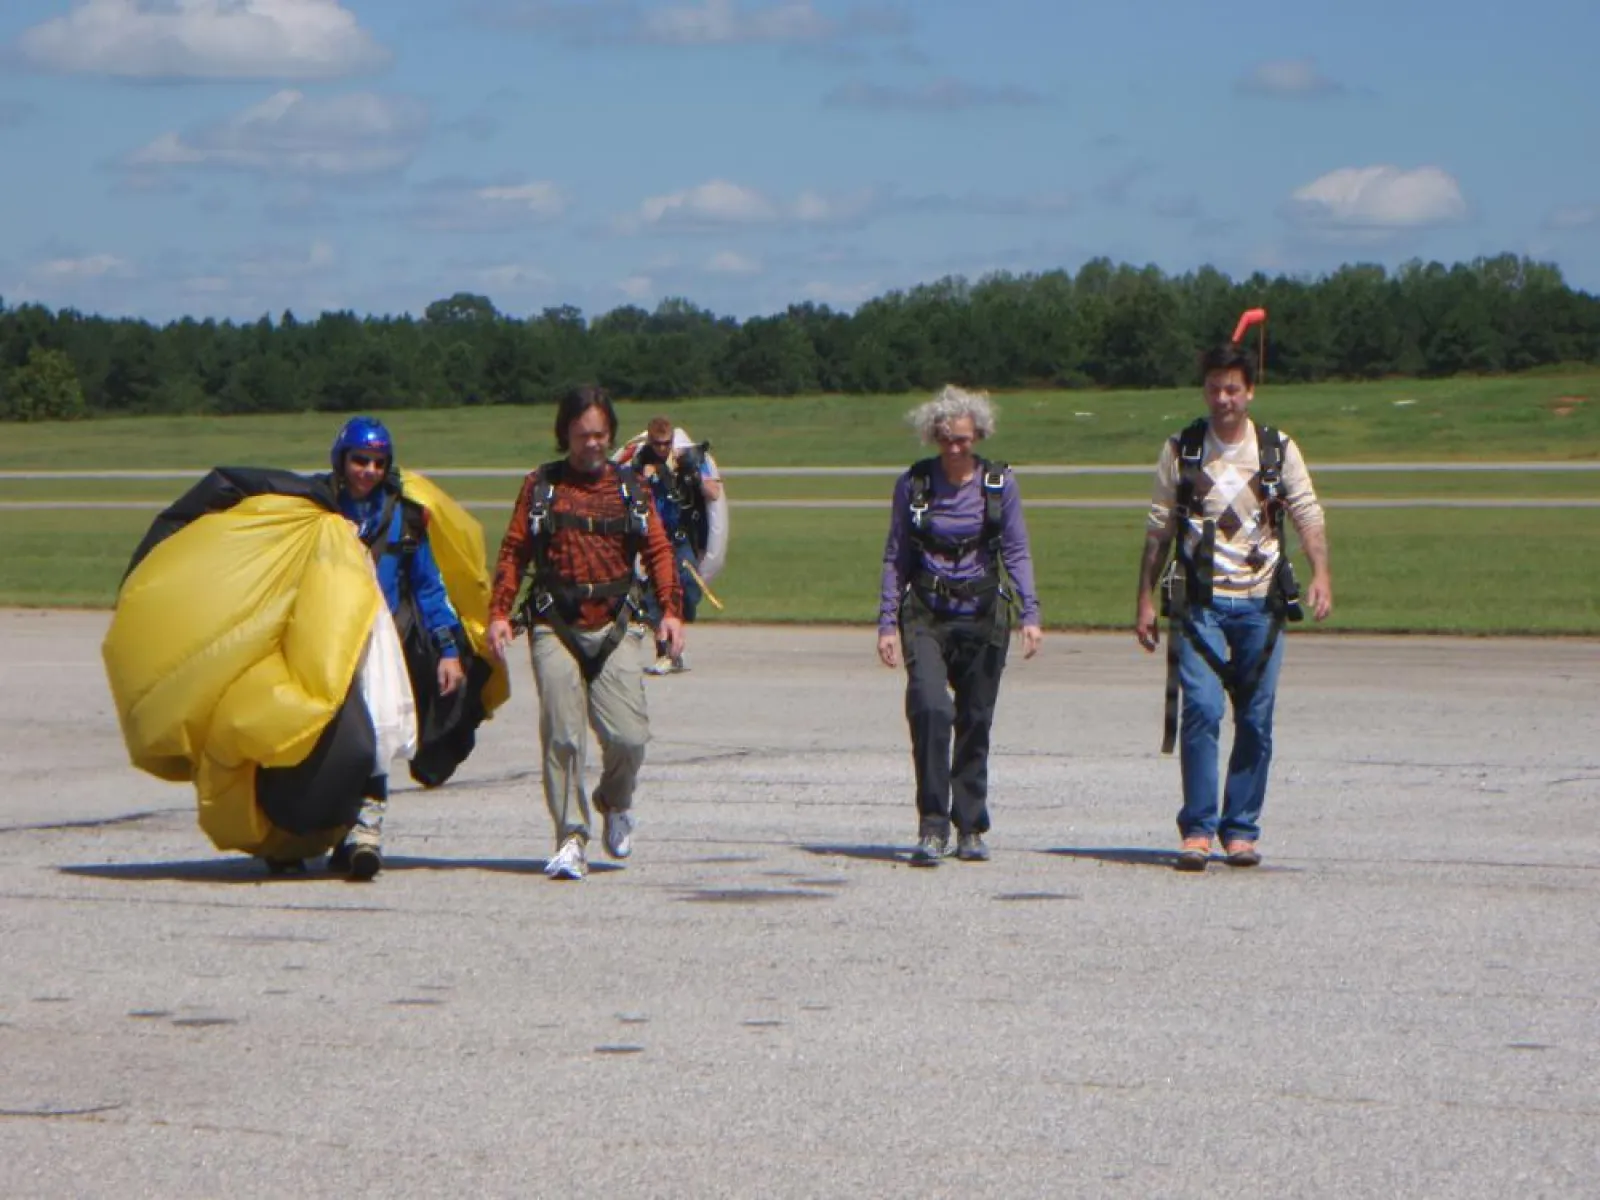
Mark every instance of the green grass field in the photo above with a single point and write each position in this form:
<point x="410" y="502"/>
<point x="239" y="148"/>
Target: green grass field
<point x="1446" y="571"/>
<point x="1499" y="571"/>
<point x="1133" y="487"/>
<point x="1516" y="417"/>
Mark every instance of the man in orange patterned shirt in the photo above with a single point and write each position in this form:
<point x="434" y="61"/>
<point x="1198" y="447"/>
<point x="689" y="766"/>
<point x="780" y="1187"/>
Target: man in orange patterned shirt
<point x="579" y="526"/>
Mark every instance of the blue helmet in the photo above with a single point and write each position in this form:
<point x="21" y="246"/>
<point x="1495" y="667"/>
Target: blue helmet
<point x="361" y="433"/>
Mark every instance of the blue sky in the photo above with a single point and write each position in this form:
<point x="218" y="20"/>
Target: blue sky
<point x="231" y="158"/>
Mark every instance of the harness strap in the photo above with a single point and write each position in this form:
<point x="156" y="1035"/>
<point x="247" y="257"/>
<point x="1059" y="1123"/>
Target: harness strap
<point x="992" y="476"/>
<point x="552" y="597"/>
<point x="604" y="525"/>
<point x="980" y="588"/>
<point x="590" y="663"/>
<point x="376" y="541"/>
<point x="413" y="525"/>
<point x="1189" y="577"/>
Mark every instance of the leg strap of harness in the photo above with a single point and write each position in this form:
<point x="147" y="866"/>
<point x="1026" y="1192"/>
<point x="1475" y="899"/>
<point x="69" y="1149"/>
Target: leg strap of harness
<point x="589" y="664"/>
<point x="1245" y="688"/>
<point x="1169" y="730"/>
<point x="1239" y="688"/>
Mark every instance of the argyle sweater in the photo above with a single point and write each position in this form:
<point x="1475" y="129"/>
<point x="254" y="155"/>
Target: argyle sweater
<point x="1228" y="491"/>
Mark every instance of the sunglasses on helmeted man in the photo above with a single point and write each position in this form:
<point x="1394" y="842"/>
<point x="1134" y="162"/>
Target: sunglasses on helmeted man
<point x="368" y="460"/>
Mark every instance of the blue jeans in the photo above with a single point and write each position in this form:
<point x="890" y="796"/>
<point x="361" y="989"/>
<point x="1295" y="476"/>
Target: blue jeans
<point x="682" y="552"/>
<point x="1236" y="629"/>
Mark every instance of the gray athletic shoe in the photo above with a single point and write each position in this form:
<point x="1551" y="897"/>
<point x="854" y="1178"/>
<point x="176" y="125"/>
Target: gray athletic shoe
<point x="619" y="834"/>
<point x="929" y="851"/>
<point x="970" y="847"/>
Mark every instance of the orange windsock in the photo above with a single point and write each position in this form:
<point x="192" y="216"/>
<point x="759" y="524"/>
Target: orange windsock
<point x="1248" y="318"/>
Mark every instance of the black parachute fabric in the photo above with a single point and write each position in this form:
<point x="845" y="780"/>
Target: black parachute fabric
<point x="446" y="725"/>
<point x="220" y="490"/>
<point x="324" y="791"/>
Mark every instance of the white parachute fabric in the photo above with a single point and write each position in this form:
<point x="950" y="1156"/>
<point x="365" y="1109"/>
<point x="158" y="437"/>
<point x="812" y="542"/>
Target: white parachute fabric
<point x="386" y="691"/>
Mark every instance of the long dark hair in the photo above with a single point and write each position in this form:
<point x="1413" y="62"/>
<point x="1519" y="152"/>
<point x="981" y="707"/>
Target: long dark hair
<point x="579" y="401"/>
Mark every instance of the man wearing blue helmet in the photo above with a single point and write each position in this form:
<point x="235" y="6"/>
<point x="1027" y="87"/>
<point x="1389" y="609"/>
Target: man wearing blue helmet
<point x="368" y="491"/>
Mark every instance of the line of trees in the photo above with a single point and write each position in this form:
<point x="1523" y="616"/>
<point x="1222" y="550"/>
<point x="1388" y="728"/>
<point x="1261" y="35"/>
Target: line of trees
<point x="1106" y="326"/>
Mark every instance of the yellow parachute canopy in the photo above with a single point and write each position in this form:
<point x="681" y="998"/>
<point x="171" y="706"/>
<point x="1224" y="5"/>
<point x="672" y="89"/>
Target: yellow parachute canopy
<point x="456" y="537"/>
<point x="233" y="644"/>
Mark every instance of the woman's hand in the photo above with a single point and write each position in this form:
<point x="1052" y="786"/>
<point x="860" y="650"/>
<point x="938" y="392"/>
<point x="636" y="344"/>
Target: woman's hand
<point x="889" y="649"/>
<point x="1032" y="635"/>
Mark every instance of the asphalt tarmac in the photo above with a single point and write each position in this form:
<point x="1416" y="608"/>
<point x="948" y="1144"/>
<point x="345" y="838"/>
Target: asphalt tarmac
<point x="767" y="1001"/>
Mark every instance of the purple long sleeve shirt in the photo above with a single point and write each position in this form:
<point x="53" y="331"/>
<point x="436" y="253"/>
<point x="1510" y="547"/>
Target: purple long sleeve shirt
<point x="955" y="512"/>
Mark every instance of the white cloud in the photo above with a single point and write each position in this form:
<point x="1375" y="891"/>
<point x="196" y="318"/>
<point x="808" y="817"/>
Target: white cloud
<point x="719" y="204"/>
<point x="466" y="206"/>
<point x="540" y="200"/>
<point x="709" y="23"/>
<point x="728" y="262"/>
<point x="359" y="133"/>
<point x="1288" y="77"/>
<point x="722" y="21"/>
<point x="1573" y="216"/>
<point x="716" y="202"/>
<point x="636" y="287"/>
<point x="940" y="95"/>
<point x="92" y="266"/>
<point x="205" y="39"/>
<point x="1379" y="198"/>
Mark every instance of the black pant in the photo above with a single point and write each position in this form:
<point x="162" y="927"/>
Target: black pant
<point x="945" y="656"/>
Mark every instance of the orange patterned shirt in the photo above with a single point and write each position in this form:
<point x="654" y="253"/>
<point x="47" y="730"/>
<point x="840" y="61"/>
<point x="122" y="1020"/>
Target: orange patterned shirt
<point x="581" y="556"/>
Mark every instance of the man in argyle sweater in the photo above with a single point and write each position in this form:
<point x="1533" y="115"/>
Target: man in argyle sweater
<point x="1238" y="626"/>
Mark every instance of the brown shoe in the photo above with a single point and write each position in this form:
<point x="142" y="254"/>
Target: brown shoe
<point x="1194" y="853"/>
<point x="1241" y="853"/>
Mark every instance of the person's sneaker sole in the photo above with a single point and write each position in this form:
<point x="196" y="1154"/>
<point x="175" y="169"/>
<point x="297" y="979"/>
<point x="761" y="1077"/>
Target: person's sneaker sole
<point x="1248" y="858"/>
<point x="365" y="863"/>
<point x="1192" y="860"/>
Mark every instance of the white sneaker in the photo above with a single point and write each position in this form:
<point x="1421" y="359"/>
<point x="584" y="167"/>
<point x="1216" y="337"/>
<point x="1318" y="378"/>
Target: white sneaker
<point x="661" y="666"/>
<point x="619" y="834"/>
<point x="569" y="861"/>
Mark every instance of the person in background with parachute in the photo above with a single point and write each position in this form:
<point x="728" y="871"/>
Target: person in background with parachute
<point x="688" y="493"/>
<point x="1223" y="488"/>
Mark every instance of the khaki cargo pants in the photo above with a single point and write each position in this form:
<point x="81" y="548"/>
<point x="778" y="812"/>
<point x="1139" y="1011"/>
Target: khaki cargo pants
<point x="614" y="704"/>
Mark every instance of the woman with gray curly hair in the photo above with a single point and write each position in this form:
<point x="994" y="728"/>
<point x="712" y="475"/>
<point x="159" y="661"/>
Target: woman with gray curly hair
<point x="955" y="567"/>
